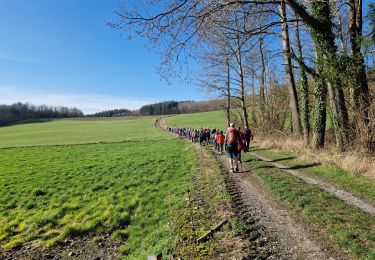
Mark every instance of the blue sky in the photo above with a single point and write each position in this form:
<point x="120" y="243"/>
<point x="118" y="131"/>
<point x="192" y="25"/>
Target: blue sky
<point x="59" y="52"/>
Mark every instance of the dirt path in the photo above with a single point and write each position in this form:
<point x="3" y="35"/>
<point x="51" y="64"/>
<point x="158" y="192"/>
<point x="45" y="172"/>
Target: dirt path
<point x="278" y="233"/>
<point x="340" y="194"/>
<point x="296" y="240"/>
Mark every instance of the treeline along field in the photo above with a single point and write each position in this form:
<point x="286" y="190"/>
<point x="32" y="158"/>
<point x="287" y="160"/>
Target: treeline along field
<point x="130" y="190"/>
<point x="18" y="112"/>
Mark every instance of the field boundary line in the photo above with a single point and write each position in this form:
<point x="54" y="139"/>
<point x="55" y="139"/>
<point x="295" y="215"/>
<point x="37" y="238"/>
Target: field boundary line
<point x="81" y="144"/>
<point x="345" y="196"/>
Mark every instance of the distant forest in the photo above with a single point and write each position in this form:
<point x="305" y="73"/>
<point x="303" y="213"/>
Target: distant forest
<point x="17" y="112"/>
<point x="112" y="113"/>
<point x="182" y="107"/>
<point x="165" y="108"/>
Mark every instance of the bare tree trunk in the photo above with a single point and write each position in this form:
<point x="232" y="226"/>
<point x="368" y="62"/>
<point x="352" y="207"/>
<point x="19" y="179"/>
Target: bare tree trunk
<point x="304" y="91"/>
<point x="241" y="75"/>
<point x="293" y="98"/>
<point x="228" y="90"/>
<point x="253" y="93"/>
<point x="361" y="94"/>
<point x="343" y="46"/>
<point x="262" y="77"/>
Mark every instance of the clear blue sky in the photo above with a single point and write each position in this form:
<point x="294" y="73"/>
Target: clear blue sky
<point x="59" y="52"/>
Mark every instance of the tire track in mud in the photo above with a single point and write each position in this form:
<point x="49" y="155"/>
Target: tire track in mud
<point x="263" y="246"/>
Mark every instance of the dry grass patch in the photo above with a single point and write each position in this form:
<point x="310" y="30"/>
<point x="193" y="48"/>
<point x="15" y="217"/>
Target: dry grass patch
<point x="353" y="161"/>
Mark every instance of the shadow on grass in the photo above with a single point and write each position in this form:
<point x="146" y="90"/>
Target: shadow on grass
<point x="283" y="159"/>
<point x="263" y="167"/>
<point x="256" y="149"/>
<point x="252" y="160"/>
<point x="27" y="121"/>
<point x="302" y="166"/>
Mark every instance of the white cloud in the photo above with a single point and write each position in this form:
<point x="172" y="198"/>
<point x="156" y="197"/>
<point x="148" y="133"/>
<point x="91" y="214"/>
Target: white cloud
<point x="88" y="103"/>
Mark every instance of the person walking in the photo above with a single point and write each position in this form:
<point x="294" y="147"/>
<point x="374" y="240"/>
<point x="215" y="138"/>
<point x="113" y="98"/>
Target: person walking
<point x="241" y="145"/>
<point x="214" y="140"/>
<point x="201" y="136"/>
<point x="231" y="140"/>
<point x="220" y="138"/>
<point x="248" y="136"/>
<point x="208" y="135"/>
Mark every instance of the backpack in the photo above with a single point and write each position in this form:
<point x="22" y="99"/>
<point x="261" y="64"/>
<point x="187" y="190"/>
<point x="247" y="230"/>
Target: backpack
<point x="232" y="135"/>
<point x="247" y="133"/>
<point x="220" y="139"/>
<point x="241" y="146"/>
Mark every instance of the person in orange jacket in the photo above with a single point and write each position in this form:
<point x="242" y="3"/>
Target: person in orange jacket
<point x="220" y="138"/>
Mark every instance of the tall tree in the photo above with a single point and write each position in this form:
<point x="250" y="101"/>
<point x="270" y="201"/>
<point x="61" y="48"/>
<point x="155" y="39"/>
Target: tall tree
<point x="293" y="98"/>
<point x="321" y="28"/>
<point x="361" y="94"/>
<point x="262" y="85"/>
<point x="239" y="59"/>
<point x="228" y="104"/>
<point x="304" y="89"/>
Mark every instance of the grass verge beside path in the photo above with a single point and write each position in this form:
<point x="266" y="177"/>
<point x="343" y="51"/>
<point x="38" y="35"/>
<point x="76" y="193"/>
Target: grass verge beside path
<point x="207" y="205"/>
<point x="355" y="183"/>
<point x="131" y="191"/>
<point x="345" y="226"/>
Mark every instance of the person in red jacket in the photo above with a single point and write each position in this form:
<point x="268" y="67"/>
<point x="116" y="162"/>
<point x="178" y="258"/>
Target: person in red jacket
<point x="241" y="145"/>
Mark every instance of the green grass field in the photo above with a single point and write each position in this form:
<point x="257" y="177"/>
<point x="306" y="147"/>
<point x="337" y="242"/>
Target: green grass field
<point x="215" y="119"/>
<point x="130" y="180"/>
<point x="79" y="131"/>
<point x="130" y="190"/>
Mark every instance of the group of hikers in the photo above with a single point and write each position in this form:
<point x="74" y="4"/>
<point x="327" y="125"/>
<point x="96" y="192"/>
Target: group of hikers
<point x="233" y="140"/>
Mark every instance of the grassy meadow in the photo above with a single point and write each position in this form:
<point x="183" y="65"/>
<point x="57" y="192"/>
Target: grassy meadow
<point x="79" y="178"/>
<point x="215" y="119"/>
<point x="130" y="190"/>
<point x="79" y="131"/>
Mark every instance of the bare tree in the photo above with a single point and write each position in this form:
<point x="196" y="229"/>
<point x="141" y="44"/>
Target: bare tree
<point x="293" y="98"/>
